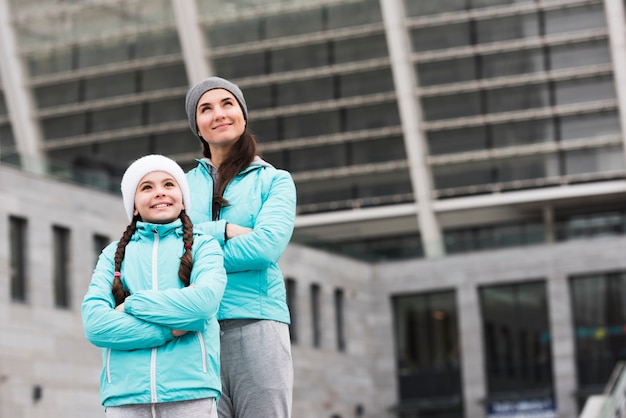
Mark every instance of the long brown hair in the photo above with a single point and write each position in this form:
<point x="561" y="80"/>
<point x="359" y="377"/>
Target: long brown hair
<point x="239" y="158"/>
<point x="186" y="260"/>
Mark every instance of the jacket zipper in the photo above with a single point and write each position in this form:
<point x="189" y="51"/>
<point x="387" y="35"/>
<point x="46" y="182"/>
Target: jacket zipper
<point x="155" y="286"/>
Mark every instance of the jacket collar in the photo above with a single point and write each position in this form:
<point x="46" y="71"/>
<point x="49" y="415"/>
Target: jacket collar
<point x="208" y="165"/>
<point x="147" y="229"/>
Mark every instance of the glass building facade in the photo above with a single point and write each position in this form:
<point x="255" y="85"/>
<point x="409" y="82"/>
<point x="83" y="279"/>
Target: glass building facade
<point x="412" y="128"/>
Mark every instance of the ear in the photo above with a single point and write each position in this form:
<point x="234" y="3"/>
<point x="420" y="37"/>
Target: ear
<point x="135" y="212"/>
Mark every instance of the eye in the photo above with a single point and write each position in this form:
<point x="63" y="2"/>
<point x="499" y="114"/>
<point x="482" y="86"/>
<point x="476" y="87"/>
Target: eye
<point x="146" y="187"/>
<point x="170" y="184"/>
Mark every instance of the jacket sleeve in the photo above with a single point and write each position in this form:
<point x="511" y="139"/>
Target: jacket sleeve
<point x="106" y="327"/>
<point x="187" y="308"/>
<point x="272" y="230"/>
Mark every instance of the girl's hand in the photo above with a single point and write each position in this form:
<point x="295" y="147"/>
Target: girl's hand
<point x="178" y="332"/>
<point x="234" y="230"/>
<point x="120" y="307"/>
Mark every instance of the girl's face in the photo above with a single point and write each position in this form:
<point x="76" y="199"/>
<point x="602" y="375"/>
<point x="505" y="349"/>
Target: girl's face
<point x="219" y="118"/>
<point x="158" y="198"/>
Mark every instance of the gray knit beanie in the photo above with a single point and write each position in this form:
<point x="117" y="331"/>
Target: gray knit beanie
<point x="194" y="94"/>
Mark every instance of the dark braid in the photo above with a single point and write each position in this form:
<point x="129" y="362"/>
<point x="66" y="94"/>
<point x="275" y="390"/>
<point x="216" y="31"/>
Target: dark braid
<point x="119" y="293"/>
<point x="186" y="261"/>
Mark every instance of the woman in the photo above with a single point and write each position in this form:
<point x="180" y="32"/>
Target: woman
<point x="250" y="207"/>
<point x="153" y="300"/>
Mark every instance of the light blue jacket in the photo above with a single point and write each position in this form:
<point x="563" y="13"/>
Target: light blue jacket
<point x="263" y="198"/>
<point x="142" y="361"/>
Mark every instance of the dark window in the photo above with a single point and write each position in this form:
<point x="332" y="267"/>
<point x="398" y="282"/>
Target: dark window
<point x="292" y="298"/>
<point x="427" y="353"/>
<point x="517" y="342"/>
<point x="99" y="243"/>
<point x="599" y="311"/>
<point x="18" y="258"/>
<point x="339" y="320"/>
<point x="61" y="237"/>
<point x="315" y="315"/>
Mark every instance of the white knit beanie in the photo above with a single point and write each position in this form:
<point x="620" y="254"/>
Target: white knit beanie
<point x="147" y="164"/>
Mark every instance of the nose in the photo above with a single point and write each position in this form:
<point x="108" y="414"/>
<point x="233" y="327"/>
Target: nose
<point x="218" y="112"/>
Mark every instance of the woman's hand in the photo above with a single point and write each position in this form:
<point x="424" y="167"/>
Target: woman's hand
<point x="234" y="230"/>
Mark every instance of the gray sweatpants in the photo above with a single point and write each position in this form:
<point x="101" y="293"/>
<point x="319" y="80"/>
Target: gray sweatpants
<point x="256" y="369"/>
<point x="198" y="408"/>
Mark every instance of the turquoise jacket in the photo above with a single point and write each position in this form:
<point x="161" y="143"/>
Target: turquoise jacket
<point x="142" y="361"/>
<point x="263" y="198"/>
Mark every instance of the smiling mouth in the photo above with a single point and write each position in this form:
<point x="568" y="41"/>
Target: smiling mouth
<point x="161" y="205"/>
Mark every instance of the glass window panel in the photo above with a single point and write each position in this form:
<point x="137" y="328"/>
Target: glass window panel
<point x="234" y="32"/>
<point x="457" y="140"/>
<point x="4" y="111"/>
<point x="316" y="328"/>
<point x="339" y="302"/>
<point x="372" y="116"/>
<point x="299" y="58"/>
<point x="61" y="251"/>
<point x="488" y="3"/>
<point x="440" y="37"/>
<point x="128" y="116"/>
<point x="517" y="98"/>
<point x="291" y="286"/>
<point x="296" y="23"/>
<point x="589" y="125"/>
<point x="177" y="143"/>
<point x="584" y="90"/>
<point x="110" y="86"/>
<point x="579" y="54"/>
<point x="6" y="138"/>
<point x="444" y="72"/>
<point x="368" y="82"/>
<point x="512" y="63"/>
<point x="517" y="338"/>
<point x="58" y="94"/>
<point x="127" y="150"/>
<point x="421" y="8"/>
<point x="569" y="19"/>
<point x="354" y="14"/>
<point x="374" y="249"/>
<point x="305" y="91"/>
<point x="595" y="160"/>
<point x="18" y="260"/>
<point x="505" y="28"/>
<point x="377" y="150"/>
<point x="64" y="126"/>
<point x="241" y="66"/>
<point x="157" y="44"/>
<point x="91" y="55"/>
<point x="265" y="129"/>
<point x="312" y="158"/>
<point x="599" y="310"/>
<point x="50" y="62"/>
<point x="260" y="97"/>
<point x="347" y="188"/>
<point x="322" y="123"/>
<point x="522" y="133"/>
<point x="452" y="106"/>
<point x="279" y="159"/>
<point x="359" y="49"/>
<point x="428" y="352"/>
<point x="168" y="110"/>
<point x="164" y="78"/>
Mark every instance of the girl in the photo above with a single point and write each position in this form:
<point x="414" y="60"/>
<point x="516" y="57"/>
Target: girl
<point x="249" y="206"/>
<point x="152" y="302"/>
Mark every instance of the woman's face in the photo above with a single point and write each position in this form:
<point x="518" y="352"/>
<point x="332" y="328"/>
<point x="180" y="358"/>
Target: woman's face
<point x="219" y="118"/>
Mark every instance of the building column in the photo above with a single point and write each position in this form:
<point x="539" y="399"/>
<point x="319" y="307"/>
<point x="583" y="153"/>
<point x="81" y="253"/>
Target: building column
<point x="563" y="346"/>
<point x="405" y="81"/>
<point x="18" y="97"/>
<point x="614" y="10"/>
<point x="472" y="348"/>
<point x="192" y="41"/>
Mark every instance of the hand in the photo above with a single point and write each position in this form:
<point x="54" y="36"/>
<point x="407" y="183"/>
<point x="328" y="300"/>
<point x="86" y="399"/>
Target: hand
<point x="178" y="332"/>
<point x="234" y="230"/>
<point x="120" y="307"/>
